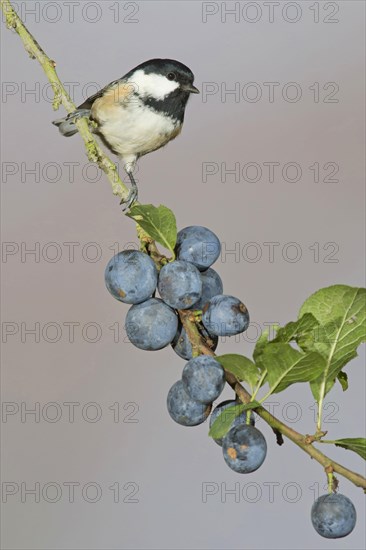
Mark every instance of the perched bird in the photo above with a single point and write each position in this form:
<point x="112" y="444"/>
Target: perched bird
<point x="138" y="113"/>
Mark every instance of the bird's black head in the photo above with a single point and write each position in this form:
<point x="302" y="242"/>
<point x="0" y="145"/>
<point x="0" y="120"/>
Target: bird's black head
<point x="164" y="85"/>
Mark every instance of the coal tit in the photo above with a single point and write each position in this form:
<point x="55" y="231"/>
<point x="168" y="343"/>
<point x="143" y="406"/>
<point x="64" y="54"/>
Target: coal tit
<point x="138" y="113"/>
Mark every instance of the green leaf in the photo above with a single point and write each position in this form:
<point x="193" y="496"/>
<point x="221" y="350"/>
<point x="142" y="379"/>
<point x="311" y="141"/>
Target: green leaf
<point x="243" y="368"/>
<point x="261" y="343"/>
<point x="285" y="366"/>
<point x="341" y="313"/>
<point x="297" y="329"/>
<point x="224" y="421"/>
<point x="356" y="444"/>
<point x="158" y="222"/>
<point x="343" y="380"/>
<point x="264" y="340"/>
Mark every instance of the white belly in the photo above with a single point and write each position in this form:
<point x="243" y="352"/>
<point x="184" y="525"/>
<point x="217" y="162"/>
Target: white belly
<point x="137" y="131"/>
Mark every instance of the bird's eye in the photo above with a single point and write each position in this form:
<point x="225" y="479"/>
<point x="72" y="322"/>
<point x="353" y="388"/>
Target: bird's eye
<point x="171" y="76"/>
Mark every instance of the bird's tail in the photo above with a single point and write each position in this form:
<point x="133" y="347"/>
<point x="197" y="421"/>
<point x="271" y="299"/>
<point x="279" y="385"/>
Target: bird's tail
<point x="67" y="125"/>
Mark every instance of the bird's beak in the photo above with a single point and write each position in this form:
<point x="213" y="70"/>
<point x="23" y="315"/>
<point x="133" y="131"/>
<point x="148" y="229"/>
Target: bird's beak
<point x="190" y="88"/>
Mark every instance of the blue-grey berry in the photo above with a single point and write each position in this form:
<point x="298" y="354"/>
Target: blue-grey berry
<point x="333" y="516"/>
<point x="183" y="409"/>
<point x="131" y="276"/>
<point x="241" y="419"/>
<point x="225" y="316"/>
<point x="211" y="286"/>
<point x="203" y="378"/>
<point x="244" y="448"/>
<point x="198" y="245"/>
<point x="151" y="325"/>
<point x="180" y="284"/>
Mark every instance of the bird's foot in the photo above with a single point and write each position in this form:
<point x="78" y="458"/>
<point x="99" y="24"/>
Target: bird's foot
<point x="131" y="199"/>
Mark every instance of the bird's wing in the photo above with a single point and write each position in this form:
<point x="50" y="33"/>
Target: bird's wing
<point x="108" y="104"/>
<point x="88" y="103"/>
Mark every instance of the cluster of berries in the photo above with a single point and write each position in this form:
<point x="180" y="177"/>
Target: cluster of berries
<point x="189" y="283"/>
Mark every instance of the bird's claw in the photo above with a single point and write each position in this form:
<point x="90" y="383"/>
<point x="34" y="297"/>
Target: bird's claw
<point x="131" y="199"/>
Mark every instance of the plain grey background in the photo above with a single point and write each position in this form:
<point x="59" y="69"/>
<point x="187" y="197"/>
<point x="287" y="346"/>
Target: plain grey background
<point x="160" y="468"/>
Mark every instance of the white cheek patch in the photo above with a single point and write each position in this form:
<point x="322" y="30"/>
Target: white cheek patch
<point x="153" y="85"/>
